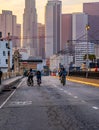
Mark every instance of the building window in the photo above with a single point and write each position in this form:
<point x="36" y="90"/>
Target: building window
<point x="6" y="61"/>
<point x="6" y="45"/>
<point x="4" y="54"/>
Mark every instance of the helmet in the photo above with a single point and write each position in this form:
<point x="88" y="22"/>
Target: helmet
<point x="30" y="70"/>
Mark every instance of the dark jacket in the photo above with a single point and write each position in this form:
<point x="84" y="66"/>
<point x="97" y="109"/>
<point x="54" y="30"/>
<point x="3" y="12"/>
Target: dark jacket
<point x="38" y="74"/>
<point x="1" y="73"/>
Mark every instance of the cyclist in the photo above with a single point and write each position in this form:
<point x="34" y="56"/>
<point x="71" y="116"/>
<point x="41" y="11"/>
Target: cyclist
<point x="60" y="73"/>
<point x="38" y="76"/>
<point x="63" y="74"/>
<point x="30" y="76"/>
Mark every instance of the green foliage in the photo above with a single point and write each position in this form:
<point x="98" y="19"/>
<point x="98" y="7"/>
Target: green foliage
<point x="91" y="57"/>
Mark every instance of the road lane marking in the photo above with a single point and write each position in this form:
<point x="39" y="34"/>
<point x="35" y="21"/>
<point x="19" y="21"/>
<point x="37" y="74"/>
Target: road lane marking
<point x="61" y="89"/>
<point x="75" y="97"/>
<point x="94" y="107"/>
<point x="82" y="82"/>
<point x="1" y="106"/>
<point x="87" y="83"/>
<point x="83" y="101"/>
<point x="54" y="85"/>
<point x="65" y="91"/>
<point x="69" y="93"/>
<point x="20" y="103"/>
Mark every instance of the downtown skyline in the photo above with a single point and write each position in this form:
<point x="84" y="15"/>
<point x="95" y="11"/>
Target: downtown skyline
<point x="18" y="7"/>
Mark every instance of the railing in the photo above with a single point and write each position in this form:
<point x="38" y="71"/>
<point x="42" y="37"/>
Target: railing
<point x="93" y="75"/>
<point x="8" y="75"/>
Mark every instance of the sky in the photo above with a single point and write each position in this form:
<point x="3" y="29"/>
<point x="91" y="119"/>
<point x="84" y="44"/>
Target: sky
<point x="17" y="6"/>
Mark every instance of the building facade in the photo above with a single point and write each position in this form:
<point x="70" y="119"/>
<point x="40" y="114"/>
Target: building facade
<point x="18" y="32"/>
<point x="41" y="40"/>
<point x="8" y="24"/>
<point x="30" y="27"/>
<point x="92" y="9"/>
<point x="81" y="49"/>
<point x="66" y="27"/>
<point x="63" y="60"/>
<point x="79" y="22"/>
<point x="52" y="27"/>
<point x="4" y="55"/>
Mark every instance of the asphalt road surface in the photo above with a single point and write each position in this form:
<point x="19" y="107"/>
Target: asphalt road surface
<point x="51" y="106"/>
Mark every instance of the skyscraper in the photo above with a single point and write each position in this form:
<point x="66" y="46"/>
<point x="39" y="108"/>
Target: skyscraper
<point x="8" y="24"/>
<point x="66" y="29"/>
<point x="79" y="22"/>
<point x="30" y="27"/>
<point x="92" y="9"/>
<point x="18" y="31"/>
<point x="52" y="27"/>
<point x="41" y="40"/>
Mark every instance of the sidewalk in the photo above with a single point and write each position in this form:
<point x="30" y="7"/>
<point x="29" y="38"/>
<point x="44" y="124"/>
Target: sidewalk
<point x="7" y="84"/>
<point x="92" y="82"/>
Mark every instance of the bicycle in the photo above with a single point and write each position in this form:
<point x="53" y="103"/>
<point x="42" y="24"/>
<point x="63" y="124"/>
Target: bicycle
<point x="38" y="82"/>
<point x="30" y="82"/>
<point x="63" y="80"/>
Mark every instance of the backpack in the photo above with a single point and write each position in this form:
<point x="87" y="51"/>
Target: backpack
<point x="30" y="74"/>
<point x="64" y="73"/>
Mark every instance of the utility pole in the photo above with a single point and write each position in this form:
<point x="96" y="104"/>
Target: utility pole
<point x="87" y="55"/>
<point x="9" y="54"/>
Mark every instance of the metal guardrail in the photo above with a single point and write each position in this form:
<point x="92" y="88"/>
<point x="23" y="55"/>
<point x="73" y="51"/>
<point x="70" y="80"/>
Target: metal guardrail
<point x="93" y="75"/>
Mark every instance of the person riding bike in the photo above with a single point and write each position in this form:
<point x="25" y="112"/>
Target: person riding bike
<point x="38" y="76"/>
<point x="60" y="73"/>
<point x="63" y="74"/>
<point x="30" y="76"/>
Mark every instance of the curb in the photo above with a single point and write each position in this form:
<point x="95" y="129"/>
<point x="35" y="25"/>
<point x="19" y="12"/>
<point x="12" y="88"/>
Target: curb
<point x="81" y="81"/>
<point x="8" y="86"/>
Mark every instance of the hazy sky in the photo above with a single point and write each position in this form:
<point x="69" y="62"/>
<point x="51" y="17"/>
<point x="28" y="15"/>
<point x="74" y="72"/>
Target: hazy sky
<point x="17" y="6"/>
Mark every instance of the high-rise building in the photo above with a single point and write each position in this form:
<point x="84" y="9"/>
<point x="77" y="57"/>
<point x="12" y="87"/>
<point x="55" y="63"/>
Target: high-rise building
<point x="66" y="29"/>
<point x="79" y="22"/>
<point x="41" y="40"/>
<point x="30" y="27"/>
<point x="79" y="36"/>
<point x="92" y="9"/>
<point x="8" y="24"/>
<point x="18" y="32"/>
<point x="81" y="51"/>
<point x="52" y="27"/>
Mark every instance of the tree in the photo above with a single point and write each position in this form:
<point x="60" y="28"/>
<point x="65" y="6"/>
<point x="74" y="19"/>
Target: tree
<point x="91" y="57"/>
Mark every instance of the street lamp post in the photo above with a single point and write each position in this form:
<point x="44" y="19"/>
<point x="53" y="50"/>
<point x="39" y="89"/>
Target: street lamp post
<point x="87" y="55"/>
<point x="9" y="54"/>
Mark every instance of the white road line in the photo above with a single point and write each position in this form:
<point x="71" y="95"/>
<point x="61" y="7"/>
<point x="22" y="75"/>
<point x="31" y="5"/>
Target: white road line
<point x="1" y="106"/>
<point x="54" y="85"/>
<point x="83" y="101"/>
<point x="61" y="89"/>
<point x="94" y="107"/>
<point x="69" y="93"/>
<point x="65" y="91"/>
<point x="75" y="97"/>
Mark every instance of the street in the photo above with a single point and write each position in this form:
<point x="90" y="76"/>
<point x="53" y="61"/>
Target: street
<point x="50" y="106"/>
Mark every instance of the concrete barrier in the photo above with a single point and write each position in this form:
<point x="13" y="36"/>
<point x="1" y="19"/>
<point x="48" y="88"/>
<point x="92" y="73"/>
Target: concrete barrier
<point x="9" y="83"/>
